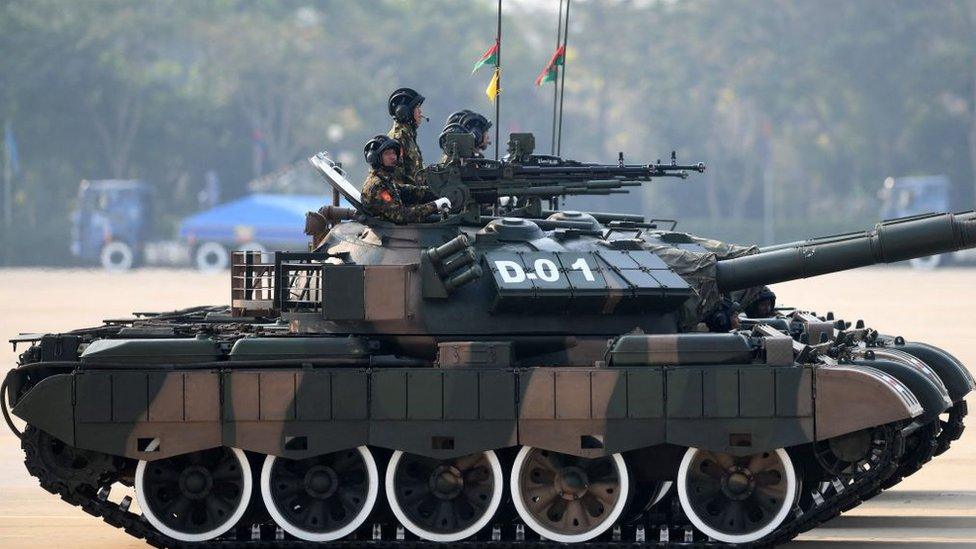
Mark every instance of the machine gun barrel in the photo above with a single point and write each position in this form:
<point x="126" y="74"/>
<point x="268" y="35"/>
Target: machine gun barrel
<point x="601" y="171"/>
<point x="888" y="242"/>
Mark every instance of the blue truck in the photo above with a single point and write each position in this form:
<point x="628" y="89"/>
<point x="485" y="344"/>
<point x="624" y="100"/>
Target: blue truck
<point x="112" y="222"/>
<point x="256" y="222"/>
<point x="112" y="225"/>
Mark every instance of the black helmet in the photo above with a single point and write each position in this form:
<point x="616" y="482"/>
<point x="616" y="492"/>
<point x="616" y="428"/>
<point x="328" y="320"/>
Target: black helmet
<point x="373" y="150"/>
<point x="402" y="103"/>
<point x="476" y="124"/>
<point x="450" y="129"/>
<point x="456" y="117"/>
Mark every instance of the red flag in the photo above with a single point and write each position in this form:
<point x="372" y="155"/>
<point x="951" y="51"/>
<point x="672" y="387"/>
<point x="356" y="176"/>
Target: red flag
<point x="548" y="74"/>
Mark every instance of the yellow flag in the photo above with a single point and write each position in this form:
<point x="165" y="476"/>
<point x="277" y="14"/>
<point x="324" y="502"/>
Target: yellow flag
<point x="492" y="91"/>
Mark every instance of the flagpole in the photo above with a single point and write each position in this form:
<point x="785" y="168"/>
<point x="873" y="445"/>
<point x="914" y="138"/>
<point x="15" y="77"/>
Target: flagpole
<point x="8" y="175"/>
<point x="562" y="86"/>
<point x="498" y="65"/>
<point x="555" y="85"/>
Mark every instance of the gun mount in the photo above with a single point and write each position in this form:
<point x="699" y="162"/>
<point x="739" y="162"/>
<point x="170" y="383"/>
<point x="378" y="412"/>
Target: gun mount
<point x="472" y="183"/>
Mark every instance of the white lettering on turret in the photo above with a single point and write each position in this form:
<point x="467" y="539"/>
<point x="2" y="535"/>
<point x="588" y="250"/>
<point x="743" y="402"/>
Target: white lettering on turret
<point x="546" y="270"/>
<point x="512" y="272"/>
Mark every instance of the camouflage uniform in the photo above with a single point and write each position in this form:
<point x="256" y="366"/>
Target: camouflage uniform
<point x="698" y="268"/>
<point x="387" y="198"/>
<point x="412" y="162"/>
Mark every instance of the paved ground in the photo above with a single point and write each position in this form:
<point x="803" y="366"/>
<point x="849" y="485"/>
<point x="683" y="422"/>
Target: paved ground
<point x="936" y="508"/>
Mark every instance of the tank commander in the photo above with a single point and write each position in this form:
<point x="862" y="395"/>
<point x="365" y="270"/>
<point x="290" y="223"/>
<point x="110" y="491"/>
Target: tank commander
<point x="404" y="106"/>
<point x="384" y="193"/>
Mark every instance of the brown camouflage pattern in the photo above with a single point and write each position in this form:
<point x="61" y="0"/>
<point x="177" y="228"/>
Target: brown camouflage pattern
<point x="457" y="410"/>
<point x="386" y="197"/>
<point x="411" y="159"/>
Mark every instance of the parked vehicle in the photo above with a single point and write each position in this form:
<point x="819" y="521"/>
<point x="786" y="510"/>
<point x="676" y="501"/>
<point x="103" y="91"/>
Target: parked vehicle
<point x="257" y="222"/>
<point x="112" y="222"/>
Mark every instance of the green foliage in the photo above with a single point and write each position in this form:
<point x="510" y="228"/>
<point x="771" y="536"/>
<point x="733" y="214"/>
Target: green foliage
<point x="823" y="99"/>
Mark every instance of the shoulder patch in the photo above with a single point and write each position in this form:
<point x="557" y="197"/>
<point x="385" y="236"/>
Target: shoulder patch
<point x="385" y="196"/>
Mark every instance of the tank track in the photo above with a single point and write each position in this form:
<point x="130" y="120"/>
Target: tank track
<point x="813" y="508"/>
<point x="952" y="427"/>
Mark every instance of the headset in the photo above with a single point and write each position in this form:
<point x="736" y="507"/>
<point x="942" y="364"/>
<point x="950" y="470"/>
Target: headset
<point x="402" y="102"/>
<point x="476" y="124"/>
<point x="373" y="150"/>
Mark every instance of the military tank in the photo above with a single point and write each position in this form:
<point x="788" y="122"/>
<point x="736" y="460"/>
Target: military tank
<point x="503" y="374"/>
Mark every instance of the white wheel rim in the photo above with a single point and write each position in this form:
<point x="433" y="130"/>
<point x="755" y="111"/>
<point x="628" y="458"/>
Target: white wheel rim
<point x="420" y="532"/>
<point x="539" y="528"/>
<point x="211" y="251"/>
<point x="300" y="533"/>
<point x="701" y="525"/>
<point x="110" y="250"/>
<point x="203" y="536"/>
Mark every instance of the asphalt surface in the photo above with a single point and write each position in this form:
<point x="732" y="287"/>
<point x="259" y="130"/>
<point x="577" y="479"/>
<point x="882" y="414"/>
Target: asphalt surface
<point x="936" y="508"/>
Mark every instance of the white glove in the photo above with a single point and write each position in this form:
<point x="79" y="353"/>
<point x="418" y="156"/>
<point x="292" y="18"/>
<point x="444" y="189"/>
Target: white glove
<point x="504" y="200"/>
<point x="443" y="204"/>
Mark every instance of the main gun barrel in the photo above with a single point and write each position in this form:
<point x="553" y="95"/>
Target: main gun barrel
<point x="888" y="242"/>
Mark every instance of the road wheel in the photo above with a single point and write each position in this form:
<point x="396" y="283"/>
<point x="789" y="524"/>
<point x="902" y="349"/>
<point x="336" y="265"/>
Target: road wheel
<point x="568" y="499"/>
<point x="444" y="500"/>
<point x="211" y="257"/>
<point x="117" y="257"/>
<point x="196" y="496"/>
<point x="737" y="499"/>
<point x="322" y="498"/>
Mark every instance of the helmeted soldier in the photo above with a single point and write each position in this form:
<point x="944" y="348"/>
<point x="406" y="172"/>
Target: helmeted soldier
<point x="479" y="126"/>
<point x="404" y="106"/>
<point x="451" y="128"/>
<point x="385" y="195"/>
<point x="456" y="116"/>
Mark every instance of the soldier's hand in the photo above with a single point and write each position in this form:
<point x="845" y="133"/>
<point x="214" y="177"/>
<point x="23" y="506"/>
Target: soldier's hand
<point x="443" y="204"/>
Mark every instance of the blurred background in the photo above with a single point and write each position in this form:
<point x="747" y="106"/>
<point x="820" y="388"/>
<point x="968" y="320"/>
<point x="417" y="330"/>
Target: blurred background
<point x="158" y="111"/>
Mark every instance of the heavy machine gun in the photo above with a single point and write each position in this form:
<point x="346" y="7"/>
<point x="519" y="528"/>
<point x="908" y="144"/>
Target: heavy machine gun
<point x="474" y="184"/>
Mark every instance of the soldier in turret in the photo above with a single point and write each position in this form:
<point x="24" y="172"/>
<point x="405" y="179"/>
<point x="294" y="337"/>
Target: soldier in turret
<point x="479" y="126"/>
<point x="386" y="195"/>
<point x="404" y="106"/>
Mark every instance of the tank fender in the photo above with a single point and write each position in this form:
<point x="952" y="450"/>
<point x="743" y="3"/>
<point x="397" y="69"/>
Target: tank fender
<point x="48" y="406"/>
<point x="956" y="377"/>
<point x="933" y="400"/>
<point x="901" y="357"/>
<point x="850" y="398"/>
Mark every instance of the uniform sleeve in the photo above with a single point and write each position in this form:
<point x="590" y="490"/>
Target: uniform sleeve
<point x="383" y="202"/>
<point x="397" y="212"/>
<point x="417" y="193"/>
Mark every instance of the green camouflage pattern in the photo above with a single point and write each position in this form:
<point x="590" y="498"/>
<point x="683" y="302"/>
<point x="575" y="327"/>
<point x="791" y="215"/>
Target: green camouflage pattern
<point x="411" y="159"/>
<point x="387" y="198"/>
